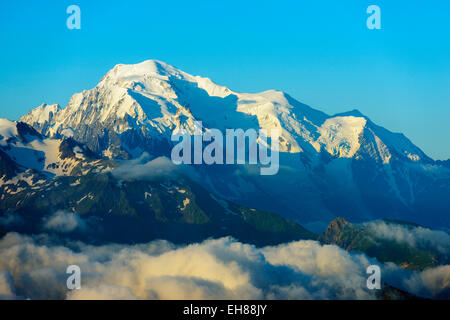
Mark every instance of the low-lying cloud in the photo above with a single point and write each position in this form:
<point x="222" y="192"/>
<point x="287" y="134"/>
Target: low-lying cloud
<point x="11" y="220"/>
<point x="6" y="286"/>
<point x="64" y="222"/>
<point x="144" y="168"/>
<point x="415" y="236"/>
<point x="224" y="268"/>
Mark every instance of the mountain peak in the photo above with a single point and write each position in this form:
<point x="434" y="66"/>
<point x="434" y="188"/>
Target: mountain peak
<point x="150" y="66"/>
<point x="142" y="70"/>
<point x="335" y="230"/>
<point x="338" y="224"/>
<point x="41" y="115"/>
<point x="353" y="113"/>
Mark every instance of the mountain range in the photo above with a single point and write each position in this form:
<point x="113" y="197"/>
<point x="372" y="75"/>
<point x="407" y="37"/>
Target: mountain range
<point x="330" y="165"/>
<point x="92" y="158"/>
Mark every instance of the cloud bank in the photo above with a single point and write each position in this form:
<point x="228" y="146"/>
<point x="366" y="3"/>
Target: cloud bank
<point x="64" y="222"/>
<point x="415" y="236"/>
<point x="144" y="168"/>
<point x="11" y="220"/>
<point x="214" y="269"/>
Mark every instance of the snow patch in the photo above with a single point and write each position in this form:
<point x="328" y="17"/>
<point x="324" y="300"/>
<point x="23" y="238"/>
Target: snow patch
<point x="340" y="135"/>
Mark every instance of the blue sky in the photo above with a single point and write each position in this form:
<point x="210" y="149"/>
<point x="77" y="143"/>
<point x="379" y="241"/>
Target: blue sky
<point x="320" y="52"/>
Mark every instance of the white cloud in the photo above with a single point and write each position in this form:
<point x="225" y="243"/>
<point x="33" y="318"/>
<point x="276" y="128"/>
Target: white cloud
<point x="431" y="282"/>
<point x="63" y="222"/>
<point x="11" y="219"/>
<point x="418" y="237"/>
<point x="144" y="168"/>
<point x="102" y="292"/>
<point x="213" y="269"/>
<point x="6" y="286"/>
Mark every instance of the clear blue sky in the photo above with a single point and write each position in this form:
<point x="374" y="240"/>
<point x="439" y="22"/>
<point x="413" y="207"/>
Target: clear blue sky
<point x="320" y="52"/>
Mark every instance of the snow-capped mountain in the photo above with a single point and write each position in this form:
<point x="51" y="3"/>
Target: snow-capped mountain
<point x="42" y="116"/>
<point x="339" y="165"/>
<point x="24" y="150"/>
<point x="135" y="104"/>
